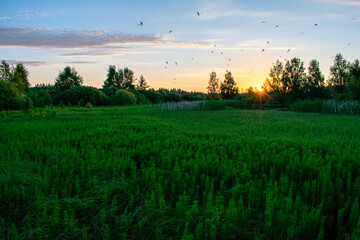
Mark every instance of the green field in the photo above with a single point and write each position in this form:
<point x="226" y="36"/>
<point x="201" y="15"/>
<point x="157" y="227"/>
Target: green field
<point x="135" y="173"/>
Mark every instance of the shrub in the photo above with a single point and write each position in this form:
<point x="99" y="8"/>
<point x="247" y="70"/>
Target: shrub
<point x="214" y="105"/>
<point x="123" y="97"/>
<point x="88" y="105"/>
<point x="193" y="97"/>
<point x="315" y="106"/>
<point x="10" y="97"/>
<point x="40" y="98"/>
<point x="173" y="97"/>
<point x="140" y="97"/>
<point x="154" y="97"/>
<point x="81" y="95"/>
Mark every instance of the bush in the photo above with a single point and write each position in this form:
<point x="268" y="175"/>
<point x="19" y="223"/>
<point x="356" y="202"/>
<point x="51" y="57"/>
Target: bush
<point x="140" y="97"/>
<point x="123" y="97"/>
<point x="173" y="97"/>
<point x="193" y="97"/>
<point x="10" y="97"/>
<point x="40" y="98"/>
<point x="81" y="95"/>
<point x="154" y="97"/>
<point x="214" y="105"/>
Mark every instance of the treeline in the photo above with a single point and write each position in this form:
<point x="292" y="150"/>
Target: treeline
<point x="119" y="88"/>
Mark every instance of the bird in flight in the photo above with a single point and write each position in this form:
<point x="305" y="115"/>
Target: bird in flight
<point x="170" y="31"/>
<point x="301" y="33"/>
<point x="222" y="53"/>
<point x="192" y="58"/>
<point x="212" y="51"/>
<point x="166" y="62"/>
<point x="198" y="13"/>
<point x="268" y="42"/>
<point x="315" y="25"/>
<point x="348" y="44"/>
<point x="277" y="26"/>
<point x="214" y="45"/>
<point x="353" y="19"/>
<point x="166" y="67"/>
<point x="229" y="59"/>
<point x="288" y="50"/>
<point x="263" y="50"/>
<point x="263" y="22"/>
<point x="176" y="63"/>
<point x="141" y="23"/>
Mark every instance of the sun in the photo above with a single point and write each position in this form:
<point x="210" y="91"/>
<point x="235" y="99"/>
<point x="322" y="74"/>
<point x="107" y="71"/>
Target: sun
<point x="259" y="89"/>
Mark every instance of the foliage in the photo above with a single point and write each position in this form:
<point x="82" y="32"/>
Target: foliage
<point x="142" y="84"/>
<point x="120" y="79"/>
<point x="228" y="87"/>
<point x="10" y="96"/>
<point x="173" y="97"/>
<point x="131" y="173"/>
<point x="339" y="75"/>
<point x="329" y="106"/>
<point x="314" y="106"/>
<point x="154" y="97"/>
<point x="140" y="97"/>
<point x="238" y="104"/>
<point x="354" y="81"/>
<point x="214" y="86"/>
<point x="123" y="97"/>
<point x="81" y="95"/>
<point x="67" y="79"/>
<point x="194" y="96"/>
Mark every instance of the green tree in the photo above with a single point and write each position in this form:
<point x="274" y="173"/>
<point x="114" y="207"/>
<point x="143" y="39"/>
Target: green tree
<point x="354" y="84"/>
<point x="19" y="77"/>
<point x="142" y="84"/>
<point x="228" y="87"/>
<point x="339" y="75"/>
<point x="294" y="79"/>
<point x="111" y="77"/>
<point x="128" y="79"/>
<point x="315" y="81"/>
<point x="4" y="71"/>
<point x="68" y="78"/>
<point x="274" y="84"/>
<point x="213" y="88"/>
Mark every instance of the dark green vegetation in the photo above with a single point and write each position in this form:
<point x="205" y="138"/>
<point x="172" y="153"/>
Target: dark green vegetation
<point x="135" y="173"/>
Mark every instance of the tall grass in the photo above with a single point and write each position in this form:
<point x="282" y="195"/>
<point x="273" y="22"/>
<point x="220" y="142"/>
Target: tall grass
<point x="328" y="106"/>
<point x="198" y="105"/>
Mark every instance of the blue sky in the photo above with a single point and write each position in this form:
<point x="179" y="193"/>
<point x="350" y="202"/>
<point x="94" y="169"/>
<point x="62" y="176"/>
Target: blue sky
<point x="91" y="35"/>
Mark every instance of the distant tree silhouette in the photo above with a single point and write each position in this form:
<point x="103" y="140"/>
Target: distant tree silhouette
<point x="121" y="79"/>
<point x="354" y="81"/>
<point x="4" y="71"/>
<point x="339" y="75"/>
<point x="111" y="77"/>
<point x="142" y="84"/>
<point x="274" y="84"/>
<point x="214" y="86"/>
<point x="315" y="84"/>
<point x="228" y="87"/>
<point x="294" y="78"/>
<point x="68" y="78"/>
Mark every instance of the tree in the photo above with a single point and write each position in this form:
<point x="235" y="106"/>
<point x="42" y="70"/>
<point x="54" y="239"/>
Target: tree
<point x="68" y="78"/>
<point x="339" y="75"/>
<point x="4" y="71"/>
<point x="294" y="78"/>
<point x="142" y="85"/>
<point x="213" y="88"/>
<point x="315" y="81"/>
<point x="228" y="88"/>
<point x="354" y="83"/>
<point x="274" y="84"/>
<point x="111" y="77"/>
<point x="128" y="79"/>
<point x="19" y="77"/>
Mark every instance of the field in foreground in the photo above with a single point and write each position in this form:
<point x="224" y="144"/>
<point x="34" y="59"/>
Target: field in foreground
<point x="135" y="173"/>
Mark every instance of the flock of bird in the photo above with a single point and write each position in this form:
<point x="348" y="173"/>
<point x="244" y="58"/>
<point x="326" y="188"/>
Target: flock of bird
<point x="229" y="60"/>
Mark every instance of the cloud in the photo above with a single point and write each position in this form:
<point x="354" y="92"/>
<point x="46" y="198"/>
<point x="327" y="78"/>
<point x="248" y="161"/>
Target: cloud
<point x="70" y="39"/>
<point x="27" y="15"/>
<point x="82" y="62"/>
<point x="5" y="18"/>
<point x="29" y="63"/>
<point x="215" y="9"/>
<point x="343" y="2"/>
<point x="91" y="54"/>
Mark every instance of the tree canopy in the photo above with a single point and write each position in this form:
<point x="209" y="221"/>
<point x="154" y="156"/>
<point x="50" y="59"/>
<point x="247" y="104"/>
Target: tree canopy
<point x="68" y="78"/>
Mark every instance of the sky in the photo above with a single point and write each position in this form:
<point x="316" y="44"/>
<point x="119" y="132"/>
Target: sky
<point x="244" y="37"/>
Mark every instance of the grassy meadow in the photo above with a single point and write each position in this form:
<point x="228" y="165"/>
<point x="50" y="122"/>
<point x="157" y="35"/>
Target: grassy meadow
<point x="141" y="173"/>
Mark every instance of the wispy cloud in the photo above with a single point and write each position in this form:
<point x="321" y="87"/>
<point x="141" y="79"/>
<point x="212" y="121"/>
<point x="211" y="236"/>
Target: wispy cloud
<point x="44" y="63"/>
<point x="5" y="18"/>
<point x="91" y="54"/>
<point x="70" y="39"/>
<point x="211" y="9"/>
<point x="27" y="14"/>
<point x="343" y="2"/>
